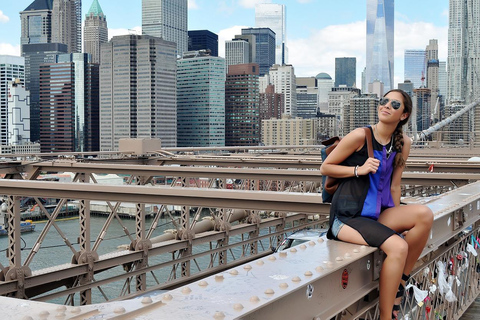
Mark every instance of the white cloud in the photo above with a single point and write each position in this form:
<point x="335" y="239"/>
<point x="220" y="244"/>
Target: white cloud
<point x="192" y="4"/>
<point x="227" y="34"/>
<point x="123" y="31"/>
<point x="416" y="36"/>
<point x="3" y="17"/>
<point x="317" y="53"/>
<point x="9" y="49"/>
<point x="252" y="3"/>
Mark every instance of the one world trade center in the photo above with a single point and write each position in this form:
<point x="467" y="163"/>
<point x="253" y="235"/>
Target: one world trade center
<point x="380" y="36"/>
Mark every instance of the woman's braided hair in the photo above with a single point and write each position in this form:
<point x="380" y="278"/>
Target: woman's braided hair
<point x="398" y="133"/>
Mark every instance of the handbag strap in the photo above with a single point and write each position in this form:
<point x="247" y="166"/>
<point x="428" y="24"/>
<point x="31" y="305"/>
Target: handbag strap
<point x="368" y="136"/>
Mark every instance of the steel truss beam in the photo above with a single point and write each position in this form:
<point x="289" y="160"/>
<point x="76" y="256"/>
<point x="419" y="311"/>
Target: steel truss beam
<point x="88" y="262"/>
<point x="196" y="197"/>
<point x="416" y="173"/>
<point x="280" y="202"/>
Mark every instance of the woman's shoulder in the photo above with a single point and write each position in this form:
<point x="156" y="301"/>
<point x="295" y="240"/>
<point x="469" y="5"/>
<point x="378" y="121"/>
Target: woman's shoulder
<point x="355" y="138"/>
<point x="358" y="133"/>
<point x="407" y="141"/>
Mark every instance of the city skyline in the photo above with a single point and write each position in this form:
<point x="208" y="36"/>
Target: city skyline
<point x="309" y="24"/>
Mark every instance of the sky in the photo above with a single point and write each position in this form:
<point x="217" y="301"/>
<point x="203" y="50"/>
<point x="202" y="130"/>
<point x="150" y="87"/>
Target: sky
<point x="317" y="30"/>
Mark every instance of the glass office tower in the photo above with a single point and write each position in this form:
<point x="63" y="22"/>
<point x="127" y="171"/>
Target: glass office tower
<point x="414" y="67"/>
<point x="345" y="71"/>
<point x="380" y="36"/>
<point x="273" y="16"/>
<point x="69" y="104"/>
<point x="264" y="47"/>
<point x="203" y="40"/>
<point x="200" y="100"/>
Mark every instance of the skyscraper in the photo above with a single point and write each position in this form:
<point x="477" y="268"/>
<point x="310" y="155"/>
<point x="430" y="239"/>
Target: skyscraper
<point x="361" y="110"/>
<point x="18" y="114"/>
<point x="431" y="52"/>
<point x="463" y="54"/>
<point x="264" y="47"/>
<point x="345" y="71"/>
<point x="36" y="22"/>
<point x="95" y="31"/>
<point x="339" y="100"/>
<point x="137" y="90"/>
<point x="67" y="24"/>
<point x="237" y="51"/>
<point x="274" y="16"/>
<point x="380" y="36"/>
<point x="201" y="100"/>
<point x="251" y="39"/>
<point x="464" y="58"/>
<point x="324" y="85"/>
<point x="307" y="97"/>
<point x="41" y="27"/>
<point x="11" y="68"/>
<point x="203" y="40"/>
<point x="432" y="73"/>
<point x="167" y="19"/>
<point x="53" y="21"/>
<point x="242" y="109"/>
<point x="442" y="78"/>
<point x="406" y="86"/>
<point x="271" y="104"/>
<point x="36" y="55"/>
<point x="414" y="67"/>
<point x="69" y="104"/>
<point x="284" y="80"/>
<point x="422" y="109"/>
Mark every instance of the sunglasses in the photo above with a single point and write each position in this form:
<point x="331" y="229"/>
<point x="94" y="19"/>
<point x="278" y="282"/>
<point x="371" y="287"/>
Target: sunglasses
<point x="394" y="103"/>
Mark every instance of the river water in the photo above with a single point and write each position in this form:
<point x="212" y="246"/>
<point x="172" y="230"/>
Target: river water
<point x="54" y="252"/>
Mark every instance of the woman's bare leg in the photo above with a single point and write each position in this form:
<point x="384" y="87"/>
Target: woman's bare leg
<point x="396" y="250"/>
<point x="418" y="220"/>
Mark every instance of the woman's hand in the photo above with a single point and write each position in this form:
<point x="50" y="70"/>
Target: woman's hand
<point x="371" y="165"/>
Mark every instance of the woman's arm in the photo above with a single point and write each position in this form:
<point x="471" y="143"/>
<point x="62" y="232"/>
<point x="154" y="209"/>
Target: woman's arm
<point x="398" y="171"/>
<point x="352" y="142"/>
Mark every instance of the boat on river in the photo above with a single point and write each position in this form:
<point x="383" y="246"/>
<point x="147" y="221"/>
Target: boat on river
<point x="25" y="226"/>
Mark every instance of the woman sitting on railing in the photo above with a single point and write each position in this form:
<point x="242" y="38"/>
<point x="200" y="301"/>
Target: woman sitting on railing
<point x="366" y="206"/>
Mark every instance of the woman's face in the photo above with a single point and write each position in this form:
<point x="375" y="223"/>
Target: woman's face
<point x="390" y="108"/>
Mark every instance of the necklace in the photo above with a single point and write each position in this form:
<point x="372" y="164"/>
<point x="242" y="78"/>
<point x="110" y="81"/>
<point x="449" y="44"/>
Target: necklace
<point x="375" y="131"/>
<point x="389" y="151"/>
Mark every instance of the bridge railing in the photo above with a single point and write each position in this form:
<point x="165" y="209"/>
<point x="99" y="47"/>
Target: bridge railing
<point x="244" y="221"/>
<point x="319" y="279"/>
<point x="220" y="241"/>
